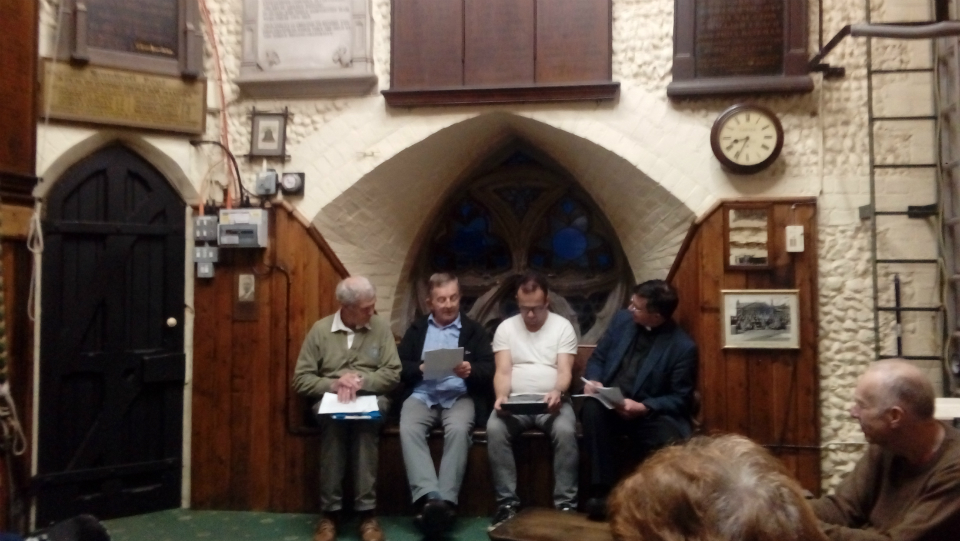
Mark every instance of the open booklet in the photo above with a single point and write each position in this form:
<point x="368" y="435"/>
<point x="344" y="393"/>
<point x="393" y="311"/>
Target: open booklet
<point x="610" y="397"/>
<point x="364" y="407"/>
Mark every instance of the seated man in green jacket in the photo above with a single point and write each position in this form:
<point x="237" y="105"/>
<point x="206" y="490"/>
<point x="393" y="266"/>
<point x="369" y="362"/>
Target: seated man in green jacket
<point x="348" y="353"/>
<point x="907" y="485"/>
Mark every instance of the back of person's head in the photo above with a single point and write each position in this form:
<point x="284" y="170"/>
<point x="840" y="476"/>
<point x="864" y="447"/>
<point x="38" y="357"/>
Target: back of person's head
<point x="899" y="383"/>
<point x="661" y="297"/>
<point x="723" y="488"/>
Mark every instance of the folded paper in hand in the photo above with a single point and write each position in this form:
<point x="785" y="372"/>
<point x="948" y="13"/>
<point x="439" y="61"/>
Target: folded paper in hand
<point x="363" y="404"/>
<point x="439" y="363"/>
<point x="610" y="397"/>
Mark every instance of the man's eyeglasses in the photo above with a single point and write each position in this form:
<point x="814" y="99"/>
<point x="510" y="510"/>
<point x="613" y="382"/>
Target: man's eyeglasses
<point x="533" y="309"/>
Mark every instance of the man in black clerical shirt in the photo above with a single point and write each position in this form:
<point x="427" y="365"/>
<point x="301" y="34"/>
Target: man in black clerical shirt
<point x="654" y="363"/>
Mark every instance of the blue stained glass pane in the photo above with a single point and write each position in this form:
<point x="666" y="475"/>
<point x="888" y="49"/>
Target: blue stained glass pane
<point x="603" y="260"/>
<point x="569" y="243"/>
<point x="537" y="261"/>
<point x="567" y="206"/>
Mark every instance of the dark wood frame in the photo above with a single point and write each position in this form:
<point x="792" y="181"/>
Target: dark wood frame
<point x="717" y="147"/>
<point x="255" y="119"/>
<point x="74" y="45"/>
<point x="794" y="314"/>
<point x="794" y="79"/>
<point x="726" y="236"/>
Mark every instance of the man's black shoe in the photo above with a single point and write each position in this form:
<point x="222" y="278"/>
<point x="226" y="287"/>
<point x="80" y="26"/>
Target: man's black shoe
<point x="504" y="513"/>
<point x="436" y="518"/>
<point x="597" y="509"/>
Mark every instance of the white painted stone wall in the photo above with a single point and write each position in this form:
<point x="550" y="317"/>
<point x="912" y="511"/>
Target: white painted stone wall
<point x="375" y="174"/>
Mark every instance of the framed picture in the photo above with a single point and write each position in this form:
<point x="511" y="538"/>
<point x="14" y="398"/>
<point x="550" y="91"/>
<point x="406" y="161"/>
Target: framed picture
<point x="761" y="318"/>
<point x="747" y="232"/>
<point x="268" y="136"/>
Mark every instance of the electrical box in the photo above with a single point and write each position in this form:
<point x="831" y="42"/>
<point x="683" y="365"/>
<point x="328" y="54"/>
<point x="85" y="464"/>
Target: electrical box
<point x="243" y="228"/>
<point x="266" y="182"/>
<point x="794" y="238"/>
<point x="204" y="269"/>
<point x="205" y="254"/>
<point x="205" y="228"/>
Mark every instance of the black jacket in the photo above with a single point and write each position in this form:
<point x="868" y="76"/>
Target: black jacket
<point x="476" y="350"/>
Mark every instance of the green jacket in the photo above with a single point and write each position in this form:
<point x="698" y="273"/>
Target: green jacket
<point x="324" y="357"/>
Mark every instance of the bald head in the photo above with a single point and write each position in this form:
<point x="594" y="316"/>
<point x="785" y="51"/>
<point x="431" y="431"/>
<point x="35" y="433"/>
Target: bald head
<point x="895" y="382"/>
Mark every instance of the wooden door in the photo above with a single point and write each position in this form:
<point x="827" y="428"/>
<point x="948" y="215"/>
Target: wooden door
<point x="111" y="355"/>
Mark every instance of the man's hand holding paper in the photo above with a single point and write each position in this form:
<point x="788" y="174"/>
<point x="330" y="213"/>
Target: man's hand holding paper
<point x="441" y="363"/>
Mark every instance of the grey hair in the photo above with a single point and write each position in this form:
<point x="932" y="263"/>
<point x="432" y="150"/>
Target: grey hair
<point x="903" y="384"/>
<point x="354" y="289"/>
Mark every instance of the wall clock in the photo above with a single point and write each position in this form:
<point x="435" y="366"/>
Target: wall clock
<point x="746" y="138"/>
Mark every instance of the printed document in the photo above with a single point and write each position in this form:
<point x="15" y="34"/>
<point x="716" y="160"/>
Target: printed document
<point x="363" y="404"/>
<point x="439" y="363"/>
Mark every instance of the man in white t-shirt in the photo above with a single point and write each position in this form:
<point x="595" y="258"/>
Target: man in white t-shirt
<point x="534" y="353"/>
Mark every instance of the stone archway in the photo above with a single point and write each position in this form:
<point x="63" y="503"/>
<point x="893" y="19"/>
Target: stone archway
<point x="376" y="225"/>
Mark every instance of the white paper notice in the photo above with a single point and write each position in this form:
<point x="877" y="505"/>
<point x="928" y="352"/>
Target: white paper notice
<point x="305" y="34"/>
<point x="363" y="404"/>
<point x="608" y="396"/>
<point x="439" y="363"/>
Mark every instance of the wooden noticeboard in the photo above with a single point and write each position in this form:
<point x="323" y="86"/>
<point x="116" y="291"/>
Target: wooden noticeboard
<point x="734" y="46"/>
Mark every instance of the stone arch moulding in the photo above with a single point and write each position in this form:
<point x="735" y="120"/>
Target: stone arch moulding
<point x="155" y="156"/>
<point x="377" y="225"/>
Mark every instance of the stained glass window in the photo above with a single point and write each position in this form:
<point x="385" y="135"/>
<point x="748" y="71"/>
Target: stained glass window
<point x="525" y="212"/>
<point x="465" y="242"/>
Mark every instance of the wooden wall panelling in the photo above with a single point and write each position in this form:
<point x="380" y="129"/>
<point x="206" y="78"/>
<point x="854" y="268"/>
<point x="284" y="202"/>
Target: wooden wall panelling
<point x="18" y="87"/>
<point x="769" y="395"/>
<point x="574" y="41"/>
<point x="499" y="41"/>
<point x="427" y="44"/>
<point x="17" y="265"/>
<point x="247" y="452"/>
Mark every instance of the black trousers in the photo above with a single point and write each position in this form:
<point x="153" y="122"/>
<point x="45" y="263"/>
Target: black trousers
<point x="602" y="430"/>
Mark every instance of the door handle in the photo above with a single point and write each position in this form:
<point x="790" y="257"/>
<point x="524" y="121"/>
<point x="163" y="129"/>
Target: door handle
<point x="171" y="322"/>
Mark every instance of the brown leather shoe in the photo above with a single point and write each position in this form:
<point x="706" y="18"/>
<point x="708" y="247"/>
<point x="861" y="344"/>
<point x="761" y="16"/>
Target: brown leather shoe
<point x="326" y="530"/>
<point x="370" y="530"/>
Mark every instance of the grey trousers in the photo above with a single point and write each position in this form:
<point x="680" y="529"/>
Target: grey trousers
<point x="363" y="440"/>
<point x="416" y="420"/>
<point x="562" y="429"/>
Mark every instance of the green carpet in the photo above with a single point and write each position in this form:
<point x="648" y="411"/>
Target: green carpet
<point x="182" y="524"/>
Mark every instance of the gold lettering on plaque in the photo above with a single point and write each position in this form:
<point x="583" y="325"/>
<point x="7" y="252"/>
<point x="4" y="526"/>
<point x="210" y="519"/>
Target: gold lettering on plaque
<point x="739" y="37"/>
<point x="123" y="98"/>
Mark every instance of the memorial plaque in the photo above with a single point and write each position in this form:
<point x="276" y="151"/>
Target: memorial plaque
<point x="739" y="37"/>
<point x="123" y="98"/>
<point x="305" y="34"/>
<point x="306" y="48"/>
<point x="737" y="46"/>
<point x="144" y="26"/>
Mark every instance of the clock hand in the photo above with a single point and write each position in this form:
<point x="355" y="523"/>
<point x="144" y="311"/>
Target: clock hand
<point x="737" y="155"/>
<point x="735" y="141"/>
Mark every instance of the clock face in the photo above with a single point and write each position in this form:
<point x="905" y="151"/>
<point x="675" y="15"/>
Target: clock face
<point x="746" y="138"/>
<point x="291" y="183"/>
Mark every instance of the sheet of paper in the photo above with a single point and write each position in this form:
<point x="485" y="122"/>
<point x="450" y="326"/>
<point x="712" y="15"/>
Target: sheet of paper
<point x="947" y="409"/>
<point x="363" y="404"/>
<point x="610" y="397"/>
<point x="439" y="363"/>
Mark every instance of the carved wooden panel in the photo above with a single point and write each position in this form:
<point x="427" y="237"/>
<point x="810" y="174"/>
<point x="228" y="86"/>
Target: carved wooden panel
<point x="427" y="47"/>
<point x="499" y="42"/>
<point x="573" y="41"/>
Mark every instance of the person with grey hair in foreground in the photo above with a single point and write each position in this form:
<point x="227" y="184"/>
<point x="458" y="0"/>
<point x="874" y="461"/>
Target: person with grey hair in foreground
<point x="724" y="488"/>
<point x="351" y="352"/>
<point x="907" y="485"/>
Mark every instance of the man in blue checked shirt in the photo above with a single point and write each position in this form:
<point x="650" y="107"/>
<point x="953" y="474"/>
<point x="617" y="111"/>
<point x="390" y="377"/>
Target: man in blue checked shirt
<point x="457" y="402"/>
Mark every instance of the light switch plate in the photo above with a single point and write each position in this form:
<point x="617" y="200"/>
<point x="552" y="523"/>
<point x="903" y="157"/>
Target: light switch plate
<point x="794" y="238"/>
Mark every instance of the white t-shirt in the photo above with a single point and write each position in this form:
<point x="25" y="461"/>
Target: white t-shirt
<point x="534" y="354"/>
